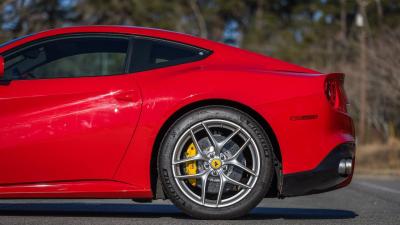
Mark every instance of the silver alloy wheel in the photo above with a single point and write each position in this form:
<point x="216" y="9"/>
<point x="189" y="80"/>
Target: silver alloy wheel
<point x="225" y="149"/>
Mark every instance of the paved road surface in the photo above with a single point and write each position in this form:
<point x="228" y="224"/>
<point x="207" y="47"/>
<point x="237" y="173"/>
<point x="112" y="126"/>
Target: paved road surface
<point x="365" y="201"/>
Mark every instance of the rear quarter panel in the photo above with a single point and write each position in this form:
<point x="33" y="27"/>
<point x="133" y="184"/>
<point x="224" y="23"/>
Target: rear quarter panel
<point x="277" y="96"/>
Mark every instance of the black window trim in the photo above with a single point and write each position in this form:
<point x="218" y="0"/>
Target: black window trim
<point x="129" y="67"/>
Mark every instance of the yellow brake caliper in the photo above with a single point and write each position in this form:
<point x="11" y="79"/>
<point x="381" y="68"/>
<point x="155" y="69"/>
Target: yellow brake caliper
<point x="191" y="167"/>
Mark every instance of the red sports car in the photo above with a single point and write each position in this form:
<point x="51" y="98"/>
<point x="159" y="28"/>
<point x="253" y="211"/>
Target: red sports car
<point x="137" y="113"/>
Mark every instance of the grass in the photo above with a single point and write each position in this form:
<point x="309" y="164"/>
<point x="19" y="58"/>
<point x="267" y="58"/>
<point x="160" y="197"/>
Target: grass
<point x="379" y="159"/>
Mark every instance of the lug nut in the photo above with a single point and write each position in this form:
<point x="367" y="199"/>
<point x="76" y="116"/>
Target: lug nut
<point x="222" y="156"/>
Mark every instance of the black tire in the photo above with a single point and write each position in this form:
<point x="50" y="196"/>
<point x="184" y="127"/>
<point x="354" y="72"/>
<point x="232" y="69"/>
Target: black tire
<point x="262" y="183"/>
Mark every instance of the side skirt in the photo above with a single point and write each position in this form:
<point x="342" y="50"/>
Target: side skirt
<point x="74" y="189"/>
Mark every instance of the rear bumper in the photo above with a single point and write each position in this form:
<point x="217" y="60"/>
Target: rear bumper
<point x="324" y="177"/>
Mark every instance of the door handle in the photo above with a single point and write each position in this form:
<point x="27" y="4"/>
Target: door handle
<point x="126" y="96"/>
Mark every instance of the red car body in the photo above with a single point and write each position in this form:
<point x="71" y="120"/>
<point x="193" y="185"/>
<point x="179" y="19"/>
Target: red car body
<point x="97" y="137"/>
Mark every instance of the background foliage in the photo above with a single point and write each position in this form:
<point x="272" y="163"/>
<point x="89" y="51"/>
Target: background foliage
<point x="321" y="34"/>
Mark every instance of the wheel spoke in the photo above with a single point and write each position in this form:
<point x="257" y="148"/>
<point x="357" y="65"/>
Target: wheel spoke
<point x="221" y="188"/>
<point x="196" y="145"/>
<point x="204" y="187"/>
<point x="232" y="181"/>
<point x="194" y="158"/>
<point x="212" y="139"/>
<point x="199" y="156"/>
<point x="241" y="149"/>
<point x="236" y="163"/>
<point x="189" y="176"/>
<point x="223" y="143"/>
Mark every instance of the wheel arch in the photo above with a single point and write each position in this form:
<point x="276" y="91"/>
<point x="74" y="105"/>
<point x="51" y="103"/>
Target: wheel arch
<point x="155" y="182"/>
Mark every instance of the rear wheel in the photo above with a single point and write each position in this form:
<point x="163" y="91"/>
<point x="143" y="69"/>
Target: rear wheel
<point x="215" y="163"/>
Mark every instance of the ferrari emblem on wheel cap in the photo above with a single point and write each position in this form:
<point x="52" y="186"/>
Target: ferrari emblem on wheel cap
<point x="216" y="164"/>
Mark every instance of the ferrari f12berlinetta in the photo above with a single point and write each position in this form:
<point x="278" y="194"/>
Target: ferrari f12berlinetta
<point x="138" y="113"/>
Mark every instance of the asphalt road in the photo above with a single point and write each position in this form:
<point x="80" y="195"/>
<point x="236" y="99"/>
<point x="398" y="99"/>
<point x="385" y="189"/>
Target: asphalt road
<point x="365" y="201"/>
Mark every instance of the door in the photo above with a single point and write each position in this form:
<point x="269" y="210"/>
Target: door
<point x="68" y="109"/>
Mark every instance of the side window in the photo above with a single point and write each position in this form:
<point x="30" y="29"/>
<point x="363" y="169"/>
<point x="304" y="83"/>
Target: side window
<point x="153" y="53"/>
<point x="69" y="57"/>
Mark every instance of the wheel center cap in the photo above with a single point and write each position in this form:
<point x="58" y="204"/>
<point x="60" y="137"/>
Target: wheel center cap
<point x="216" y="164"/>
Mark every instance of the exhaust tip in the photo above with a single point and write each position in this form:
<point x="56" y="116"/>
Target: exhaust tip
<point x="345" y="167"/>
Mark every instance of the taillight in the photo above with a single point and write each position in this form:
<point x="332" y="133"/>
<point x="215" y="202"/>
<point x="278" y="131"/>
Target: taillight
<point x="335" y="93"/>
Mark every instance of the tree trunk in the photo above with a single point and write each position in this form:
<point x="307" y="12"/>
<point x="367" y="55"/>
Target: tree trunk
<point x="380" y="11"/>
<point x="343" y="20"/>
<point x="363" y="68"/>
<point x="199" y="18"/>
<point x="259" y="23"/>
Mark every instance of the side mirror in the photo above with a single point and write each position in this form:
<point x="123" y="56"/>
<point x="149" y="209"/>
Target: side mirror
<point x="1" y="66"/>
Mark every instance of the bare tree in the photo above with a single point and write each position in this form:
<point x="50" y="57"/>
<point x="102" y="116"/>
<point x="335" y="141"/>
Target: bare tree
<point x="379" y="11"/>
<point x="199" y="18"/>
<point x="343" y="20"/>
<point x="362" y="20"/>
<point x="259" y="15"/>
